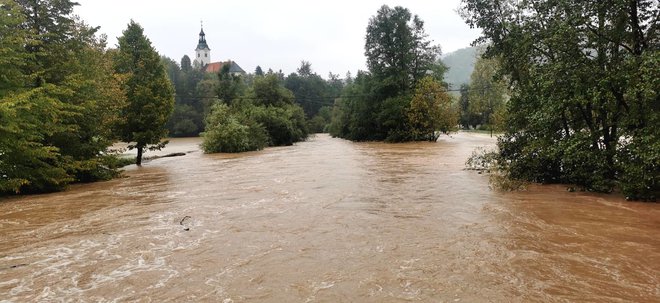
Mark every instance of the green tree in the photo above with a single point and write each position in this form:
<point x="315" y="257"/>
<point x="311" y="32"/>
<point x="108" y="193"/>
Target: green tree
<point x="375" y="104"/>
<point x="173" y="71"/>
<point x="26" y="162"/>
<point x="186" y="64"/>
<point x="320" y="122"/>
<point x="58" y="98"/>
<point x="185" y="121"/>
<point x="258" y="71"/>
<point x="264" y="116"/>
<point x="305" y="69"/>
<point x="149" y="94"/>
<point x="190" y="106"/>
<point x="398" y="50"/>
<point x="12" y="52"/>
<point x="467" y="117"/>
<point x="584" y="105"/>
<point x="431" y="111"/>
<point x="268" y="90"/>
<point x="488" y="92"/>
<point x="335" y="85"/>
<point x="230" y="132"/>
<point x="230" y="86"/>
<point x="309" y="89"/>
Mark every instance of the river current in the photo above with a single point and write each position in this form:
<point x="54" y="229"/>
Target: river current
<point x="326" y="220"/>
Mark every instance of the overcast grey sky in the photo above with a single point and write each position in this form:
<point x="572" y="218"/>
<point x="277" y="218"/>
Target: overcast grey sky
<point x="272" y="34"/>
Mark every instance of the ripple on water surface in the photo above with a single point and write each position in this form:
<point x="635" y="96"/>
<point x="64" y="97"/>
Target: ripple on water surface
<point x="326" y="220"/>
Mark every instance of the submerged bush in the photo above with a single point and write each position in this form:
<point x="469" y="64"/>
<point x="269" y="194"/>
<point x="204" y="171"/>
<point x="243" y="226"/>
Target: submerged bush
<point x="489" y="161"/>
<point x="481" y="159"/>
<point x="285" y="125"/>
<point x="226" y="133"/>
<point x="639" y="166"/>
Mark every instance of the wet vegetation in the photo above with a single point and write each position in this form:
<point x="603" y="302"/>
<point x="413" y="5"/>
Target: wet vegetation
<point x="265" y="115"/>
<point x="64" y="97"/>
<point x="392" y="100"/>
<point x="584" y="82"/>
<point x="571" y="86"/>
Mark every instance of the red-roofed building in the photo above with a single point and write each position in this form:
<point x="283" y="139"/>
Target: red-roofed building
<point x="215" y="67"/>
<point x="203" y="59"/>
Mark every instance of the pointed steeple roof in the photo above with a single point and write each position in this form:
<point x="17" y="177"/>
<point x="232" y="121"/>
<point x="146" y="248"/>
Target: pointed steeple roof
<point x="202" y="41"/>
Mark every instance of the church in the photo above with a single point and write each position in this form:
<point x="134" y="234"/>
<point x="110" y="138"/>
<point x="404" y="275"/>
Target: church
<point x="203" y="59"/>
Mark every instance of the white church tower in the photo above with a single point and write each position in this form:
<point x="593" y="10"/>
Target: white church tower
<point x="203" y="52"/>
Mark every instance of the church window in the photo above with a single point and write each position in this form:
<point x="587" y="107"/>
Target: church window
<point x="206" y="55"/>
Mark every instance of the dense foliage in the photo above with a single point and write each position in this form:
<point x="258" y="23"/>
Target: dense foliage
<point x="58" y="98"/>
<point x="375" y="106"/>
<point x="197" y="91"/>
<point x="231" y="131"/>
<point x="314" y="94"/>
<point x="585" y="79"/>
<point x="64" y="97"/>
<point x="265" y="115"/>
<point x="149" y="93"/>
<point x="483" y="102"/>
<point x="431" y="111"/>
<point x="194" y="92"/>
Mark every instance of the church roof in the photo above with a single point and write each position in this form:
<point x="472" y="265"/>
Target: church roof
<point x="202" y="41"/>
<point x="215" y="67"/>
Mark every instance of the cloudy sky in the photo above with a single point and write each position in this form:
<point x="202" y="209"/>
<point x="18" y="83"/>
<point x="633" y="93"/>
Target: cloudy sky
<point x="272" y="34"/>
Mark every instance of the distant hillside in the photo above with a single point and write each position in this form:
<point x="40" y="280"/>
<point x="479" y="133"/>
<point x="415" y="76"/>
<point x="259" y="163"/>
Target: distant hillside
<point x="461" y="64"/>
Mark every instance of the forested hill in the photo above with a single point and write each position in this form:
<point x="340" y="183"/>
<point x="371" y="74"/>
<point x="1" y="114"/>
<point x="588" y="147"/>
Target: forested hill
<point x="461" y="64"/>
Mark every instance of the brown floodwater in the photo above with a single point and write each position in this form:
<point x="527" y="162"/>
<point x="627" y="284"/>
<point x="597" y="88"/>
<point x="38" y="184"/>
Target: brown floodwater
<point x="326" y="220"/>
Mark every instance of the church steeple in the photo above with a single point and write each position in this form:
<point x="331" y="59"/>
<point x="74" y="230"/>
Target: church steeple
<point x="203" y="52"/>
<point x="202" y="41"/>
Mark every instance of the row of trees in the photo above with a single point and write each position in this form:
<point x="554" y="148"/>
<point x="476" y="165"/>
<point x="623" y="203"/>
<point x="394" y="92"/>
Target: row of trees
<point x="314" y="94"/>
<point x="402" y="96"/>
<point x="196" y="91"/>
<point x="585" y="81"/>
<point x="64" y="98"/>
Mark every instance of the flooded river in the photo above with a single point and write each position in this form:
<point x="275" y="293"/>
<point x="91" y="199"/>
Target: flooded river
<point x="326" y="220"/>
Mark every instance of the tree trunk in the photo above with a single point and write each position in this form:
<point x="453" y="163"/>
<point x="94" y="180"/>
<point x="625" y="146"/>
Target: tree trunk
<point x="138" y="160"/>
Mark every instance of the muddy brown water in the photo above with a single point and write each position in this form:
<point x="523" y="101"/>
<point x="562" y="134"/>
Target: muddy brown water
<point x="326" y="220"/>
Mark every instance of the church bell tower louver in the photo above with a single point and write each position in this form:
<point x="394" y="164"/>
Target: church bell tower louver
<point x="203" y="52"/>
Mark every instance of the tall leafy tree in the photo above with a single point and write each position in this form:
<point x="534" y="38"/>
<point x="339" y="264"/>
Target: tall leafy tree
<point x="399" y="54"/>
<point x="584" y="105"/>
<point x="149" y="94"/>
<point x="487" y="93"/>
<point x="356" y="113"/>
<point x="431" y="111"/>
<point x="258" y="71"/>
<point x="268" y="90"/>
<point x="230" y="86"/>
<point x="398" y="50"/>
<point x="174" y="73"/>
<point x="56" y="100"/>
<point x="186" y="64"/>
<point x="12" y="54"/>
<point x="467" y="117"/>
<point x="190" y="106"/>
<point x="309" y="89"/>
